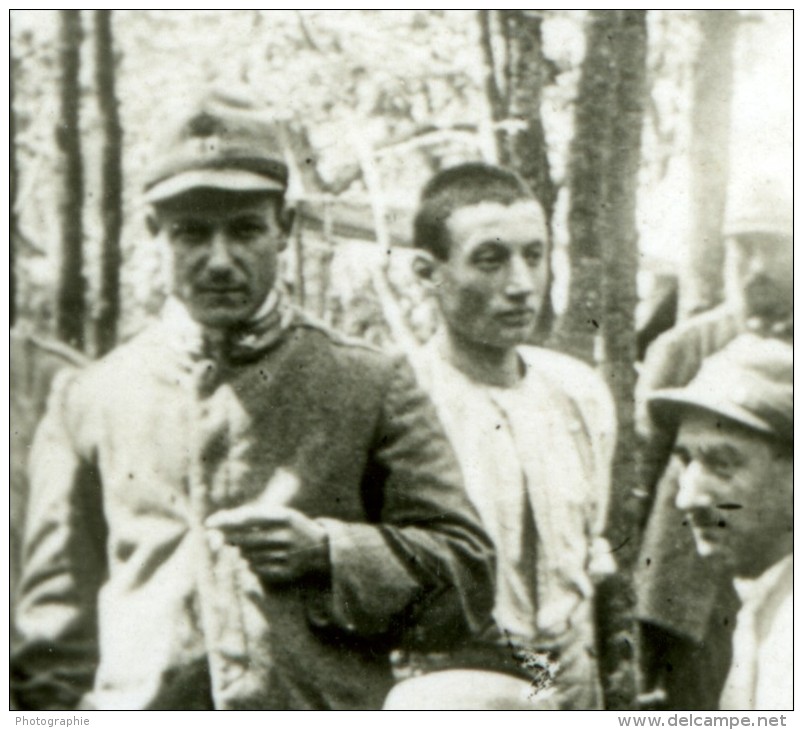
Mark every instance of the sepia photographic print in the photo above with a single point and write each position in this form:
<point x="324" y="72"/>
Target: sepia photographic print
<point x="401" y="360"/>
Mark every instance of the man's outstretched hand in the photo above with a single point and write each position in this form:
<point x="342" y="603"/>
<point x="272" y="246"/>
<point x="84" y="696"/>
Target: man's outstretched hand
<point x="281" y="543"/>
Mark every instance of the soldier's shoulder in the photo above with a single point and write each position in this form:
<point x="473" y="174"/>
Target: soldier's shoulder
<point x="339" y="343"/>
<point x="715" y="323"/>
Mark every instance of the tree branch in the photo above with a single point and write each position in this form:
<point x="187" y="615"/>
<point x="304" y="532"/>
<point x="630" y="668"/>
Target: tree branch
<point x="306" y="33"/>
<point x="491" y="87"/>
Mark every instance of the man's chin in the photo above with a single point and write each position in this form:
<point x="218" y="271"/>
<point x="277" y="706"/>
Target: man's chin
<point x="512" y="336"/>
<point x="220" y="317"/>
<point x="767" y="305"/>
<point x="707" y="545"/>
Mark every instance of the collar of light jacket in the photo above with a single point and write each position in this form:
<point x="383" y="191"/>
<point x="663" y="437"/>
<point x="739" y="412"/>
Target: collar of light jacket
<point x="245" y="342"/>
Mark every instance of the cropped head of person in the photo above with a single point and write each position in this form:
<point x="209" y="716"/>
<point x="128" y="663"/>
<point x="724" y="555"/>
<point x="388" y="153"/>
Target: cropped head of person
<point x="734" y="441"/>
<point x="483" y="252"/>
<point x="758" y="235"/>
<point x="216" y="193"/>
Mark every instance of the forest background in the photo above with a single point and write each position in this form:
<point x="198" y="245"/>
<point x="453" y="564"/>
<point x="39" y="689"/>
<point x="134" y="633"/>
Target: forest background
<point x="634" y="128"/>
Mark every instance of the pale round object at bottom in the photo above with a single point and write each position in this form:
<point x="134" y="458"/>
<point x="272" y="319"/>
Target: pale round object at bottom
<point x="468" y="689"/>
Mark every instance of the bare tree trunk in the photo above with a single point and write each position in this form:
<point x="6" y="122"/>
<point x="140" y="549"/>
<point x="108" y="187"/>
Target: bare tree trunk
<point x="527" y="80"/>
<point x="620" y="256"/>
<point x="599" y="323"/>
<point x="70" y="304"/>
<point x="111" y="185"/>
<point x="12" y="201"/>
<point x="710" y="145"/>
<point x="493" y="85"/>
<point x="579" y="329"/>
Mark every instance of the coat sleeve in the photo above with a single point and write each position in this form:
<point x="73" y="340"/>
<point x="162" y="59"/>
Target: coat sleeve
<point x="421" y="570"/>
<point x="603" y="427"/>
<point x="56" y="654"/>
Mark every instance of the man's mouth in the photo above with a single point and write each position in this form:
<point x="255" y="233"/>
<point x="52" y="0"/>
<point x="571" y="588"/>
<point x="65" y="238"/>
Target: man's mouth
<point x="219" y="289"/>
<point x="709" y="525"/>
<point x="762" y="291"/>
<point x="516" y="317"/>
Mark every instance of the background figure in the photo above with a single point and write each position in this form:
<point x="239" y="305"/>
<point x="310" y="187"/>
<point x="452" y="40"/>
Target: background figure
<point x="34" y="363"/>
<point x="734" y="446"/>
<point x="238" y="509"/>
<point x="534" y="433"/>
<point x="686" y="606"/>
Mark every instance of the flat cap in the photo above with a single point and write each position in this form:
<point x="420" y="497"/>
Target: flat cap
<point x="748" y="382"/>
<point x="219" y="142"/>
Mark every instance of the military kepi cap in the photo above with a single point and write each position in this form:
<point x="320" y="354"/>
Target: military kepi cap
<point x="748" y="382"/>
<point x="219" y="143"/>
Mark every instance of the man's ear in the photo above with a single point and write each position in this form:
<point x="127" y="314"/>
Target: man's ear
<point x="427" y="270"/>
<point x="152" y="222"/>
<point x="287" y="216"/>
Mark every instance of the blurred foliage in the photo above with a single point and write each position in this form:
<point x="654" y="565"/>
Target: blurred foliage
<point x="410" y="84"/>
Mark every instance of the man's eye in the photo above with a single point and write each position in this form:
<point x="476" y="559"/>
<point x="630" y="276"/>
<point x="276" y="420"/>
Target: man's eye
<point x="533" y="257"/>
<point x="488" y="259"/>
<point x="683" y="456"/>
<point x="718" y="465"/>
<point x="189" y="232"/>
<point x="247" y="231"/>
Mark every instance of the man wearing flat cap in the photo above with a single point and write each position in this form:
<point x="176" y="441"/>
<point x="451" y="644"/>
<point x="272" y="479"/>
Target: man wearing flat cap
<point x="685" y="605"/>
<point x="238" y="509"/>
<point x="734" y="443"/>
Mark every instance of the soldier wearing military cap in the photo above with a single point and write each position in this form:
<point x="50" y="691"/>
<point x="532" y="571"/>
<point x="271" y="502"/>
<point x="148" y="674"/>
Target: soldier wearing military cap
<point x="238" y="509"/>
<point x="734" y="425"/>
<point x="685" y="604"/>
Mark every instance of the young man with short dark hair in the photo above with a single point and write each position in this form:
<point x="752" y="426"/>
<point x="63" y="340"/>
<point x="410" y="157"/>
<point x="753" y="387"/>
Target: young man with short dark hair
<point x="534" y="433"/>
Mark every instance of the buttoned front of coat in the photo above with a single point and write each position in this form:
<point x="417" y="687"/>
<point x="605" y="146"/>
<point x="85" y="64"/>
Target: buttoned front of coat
<point x="127" y="596"/>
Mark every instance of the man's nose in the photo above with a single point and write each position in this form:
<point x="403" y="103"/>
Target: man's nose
<point x="692" y="493"/>
<point x="219" y="253"/>
<point x="757" y="265"/>
<point x="520" y="280"/>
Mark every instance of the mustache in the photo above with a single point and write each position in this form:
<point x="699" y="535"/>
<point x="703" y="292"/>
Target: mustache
<point x="226" y="279"/>
<point x="706" y="518"/>
<point x="759" y="280"/>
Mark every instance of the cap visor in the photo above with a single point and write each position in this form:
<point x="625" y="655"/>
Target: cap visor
<point x="667" y="405"/>
<point x="237" y="180"/>
<point x="747" y="227"/>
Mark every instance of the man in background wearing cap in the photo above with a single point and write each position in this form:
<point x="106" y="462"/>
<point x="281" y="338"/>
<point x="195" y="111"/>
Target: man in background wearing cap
<point x="238" y="509"/>
<point x="685" y="605"/>
<point x="734" y="445"/>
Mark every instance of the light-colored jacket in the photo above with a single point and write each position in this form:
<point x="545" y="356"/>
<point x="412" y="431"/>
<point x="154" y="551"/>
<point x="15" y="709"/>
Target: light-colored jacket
<point x="536" y="461"/>
<point x="761" y="676"/>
